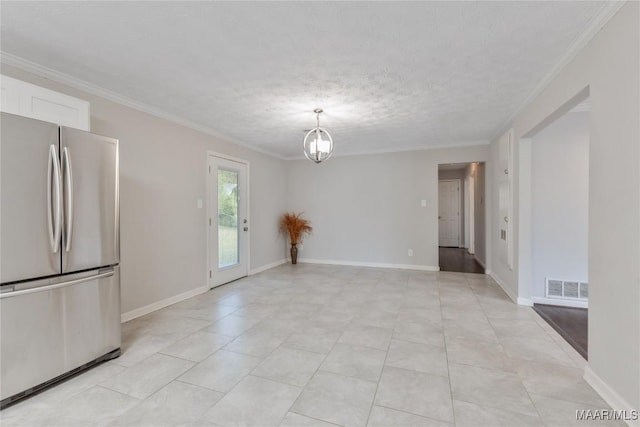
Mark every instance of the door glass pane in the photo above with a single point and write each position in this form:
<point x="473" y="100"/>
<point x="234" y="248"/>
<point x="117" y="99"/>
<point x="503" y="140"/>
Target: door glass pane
<point x="228" y="230"/>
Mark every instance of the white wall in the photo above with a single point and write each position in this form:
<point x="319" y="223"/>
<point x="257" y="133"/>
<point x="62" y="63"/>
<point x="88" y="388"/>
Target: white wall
<point x="608" y="67"/>
<point x="477" y="170"/>
<point x="560" y="201"/>
<point x="457" y="174"/>
<point x="367" y="208"/>
<point x="162" y="174"/>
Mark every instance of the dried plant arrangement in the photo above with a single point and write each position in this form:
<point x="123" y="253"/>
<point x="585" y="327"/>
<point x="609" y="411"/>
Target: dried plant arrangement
<point x="296" y="227"/>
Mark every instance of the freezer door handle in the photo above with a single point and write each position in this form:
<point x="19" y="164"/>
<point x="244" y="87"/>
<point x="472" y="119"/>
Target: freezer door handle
<point x="54" y="212"/>
<point x="116" y="227"/>
<point x="66" y="164"/>
<point x="57" y="285"/>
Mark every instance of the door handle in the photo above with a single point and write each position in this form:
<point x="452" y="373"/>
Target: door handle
<point x="54" y="214"/>
<point x="57" y="285"/>
<point x="66" y="162"/>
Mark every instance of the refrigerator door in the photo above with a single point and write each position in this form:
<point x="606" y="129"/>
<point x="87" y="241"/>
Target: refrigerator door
<point x="30" y="194"/>
<point x="53" y="326"/>
<point x="90" y="188"/>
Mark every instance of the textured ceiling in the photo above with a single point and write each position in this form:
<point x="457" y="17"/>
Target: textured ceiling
<point x="390" y="76"/>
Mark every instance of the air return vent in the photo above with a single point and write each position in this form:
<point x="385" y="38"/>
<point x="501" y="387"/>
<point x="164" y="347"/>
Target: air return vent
<point x="567" y="289"/>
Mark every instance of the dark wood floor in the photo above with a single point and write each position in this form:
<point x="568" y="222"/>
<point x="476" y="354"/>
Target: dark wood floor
<point x="458" y="260"/>
<point x="571" y="323"/>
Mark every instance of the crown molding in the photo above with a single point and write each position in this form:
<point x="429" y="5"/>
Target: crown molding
<point x="402" y="150"/>
<point x="584" y="106"/>
<point x="608" y="10"/>
<point x="56" y="76"/>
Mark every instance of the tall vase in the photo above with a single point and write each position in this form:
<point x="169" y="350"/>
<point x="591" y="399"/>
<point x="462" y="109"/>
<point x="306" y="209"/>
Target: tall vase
<point x="294" y="253"/>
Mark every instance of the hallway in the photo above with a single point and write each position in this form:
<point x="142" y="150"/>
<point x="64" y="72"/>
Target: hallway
<point x="459" y="261"/>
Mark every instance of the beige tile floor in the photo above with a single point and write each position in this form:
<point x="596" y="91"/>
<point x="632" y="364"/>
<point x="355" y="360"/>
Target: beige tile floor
<point x="311" y="345"/>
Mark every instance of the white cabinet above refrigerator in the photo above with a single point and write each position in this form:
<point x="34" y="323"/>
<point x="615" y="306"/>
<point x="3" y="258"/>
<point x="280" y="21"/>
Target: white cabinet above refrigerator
<point x="28" y="100"/>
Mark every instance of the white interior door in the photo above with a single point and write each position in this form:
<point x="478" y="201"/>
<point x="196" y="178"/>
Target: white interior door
<point x="449" y="212"/>
<point x="228" y="220"/>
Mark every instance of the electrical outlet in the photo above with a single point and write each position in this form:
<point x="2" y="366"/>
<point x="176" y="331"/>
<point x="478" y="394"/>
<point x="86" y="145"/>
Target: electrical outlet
<point x="410" y="252"/>
<point x="301" y="246"/>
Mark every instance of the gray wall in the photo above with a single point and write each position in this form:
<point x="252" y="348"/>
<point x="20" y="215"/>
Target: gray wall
<point x="367" y="208"/>
<point x="480" y="211"/>
<point x="163" y="173"/>
<point x="560" y="201"/>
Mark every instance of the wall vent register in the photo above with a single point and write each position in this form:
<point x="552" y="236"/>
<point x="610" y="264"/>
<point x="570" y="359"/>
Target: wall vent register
<point x="567" y="289"/>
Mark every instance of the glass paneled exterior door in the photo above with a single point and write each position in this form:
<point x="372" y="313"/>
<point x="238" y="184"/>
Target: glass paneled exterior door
<point x="228" y="226"/>
<point x="228" y="220"/>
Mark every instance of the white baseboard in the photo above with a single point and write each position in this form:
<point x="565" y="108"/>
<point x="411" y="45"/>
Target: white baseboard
<point x="479" y="261"/>
<point x="609" y="395"/>
<point x="525" y="301"/>
<point x="130" y="315"/>
<point x="370" y="264"/>
<point x="267" y="267"/>
<point x="507" y="290"/>
<point x="560" y="302"/>
<point x="138" y="312"/>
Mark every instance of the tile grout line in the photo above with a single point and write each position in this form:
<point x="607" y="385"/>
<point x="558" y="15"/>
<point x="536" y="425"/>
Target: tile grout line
<point x="313" y="418"/>
<point x="511" y="358"/>
<point x="554" y="336"/>
<point x="384" y="363"/>
<point x="446" y="352"/>
<point x="414" y="414"/>
<point x="311" y="379"/>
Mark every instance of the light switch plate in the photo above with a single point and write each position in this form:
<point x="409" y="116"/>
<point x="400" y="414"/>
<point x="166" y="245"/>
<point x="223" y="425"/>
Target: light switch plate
<point x="199" y="203"/>
<point x="423" y="203"/>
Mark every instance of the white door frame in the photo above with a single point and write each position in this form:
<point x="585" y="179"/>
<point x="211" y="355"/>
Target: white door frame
<point x="457" y="203"/>
<point x="209" y="220"/>
<point x="472" y="212"/>
<point x="466" y="196"/>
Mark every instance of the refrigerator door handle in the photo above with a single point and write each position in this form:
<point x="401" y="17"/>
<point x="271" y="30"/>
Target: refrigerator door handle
<point x="57" y="285"/>
<point x="117" y="206"/>
<point x="54" y="214"/>
<point x="66" y="162"/>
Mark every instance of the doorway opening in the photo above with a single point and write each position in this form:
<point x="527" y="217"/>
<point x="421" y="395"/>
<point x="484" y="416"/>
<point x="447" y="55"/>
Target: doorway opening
<point x="461" y="217"/>
<point x="558" y="197"/>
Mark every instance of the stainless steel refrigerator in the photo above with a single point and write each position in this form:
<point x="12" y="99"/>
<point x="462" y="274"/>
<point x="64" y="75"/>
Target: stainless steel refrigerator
<point x="59" y="253"/>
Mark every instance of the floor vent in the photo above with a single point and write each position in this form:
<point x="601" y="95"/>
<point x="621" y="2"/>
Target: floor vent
<point x="567" y="289"/>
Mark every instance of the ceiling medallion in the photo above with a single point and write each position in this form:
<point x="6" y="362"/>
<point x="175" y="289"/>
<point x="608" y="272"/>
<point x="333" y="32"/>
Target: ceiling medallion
<point x="317" y="143"/>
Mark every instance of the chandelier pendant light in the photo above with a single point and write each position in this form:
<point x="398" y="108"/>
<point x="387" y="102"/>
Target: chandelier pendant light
<point x="317" y="143"/>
